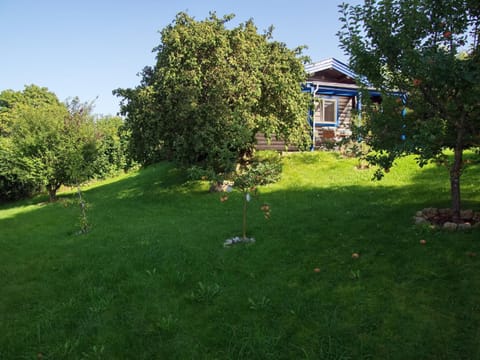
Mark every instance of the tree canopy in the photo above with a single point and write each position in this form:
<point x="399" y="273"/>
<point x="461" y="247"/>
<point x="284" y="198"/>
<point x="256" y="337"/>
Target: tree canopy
<point x="211" y="91"/>
<point x="424" y="56"/>
<point x="45" y="143"/>
<point x="29" y="124"/>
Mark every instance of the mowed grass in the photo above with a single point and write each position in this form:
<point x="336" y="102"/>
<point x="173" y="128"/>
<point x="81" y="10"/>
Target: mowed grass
<point x="152" y="279"/>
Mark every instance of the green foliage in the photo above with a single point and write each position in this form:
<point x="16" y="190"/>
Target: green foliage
<point x="426" y="63"/>
<point x="18" y="175"/>
<point x="211" y="91"/>
<point x="45" y="143"/>
<point x="205" y="293"/>
<point x="32" y="130"/>
<point x="354" y="147"/>
<point x="78" y="147"/>
<point x="262" y="170"/>
<point x="112" y="147"/>
<point x="258" y="172"/>
<point x="83" y="219"/>
<point x="262" y="303"/>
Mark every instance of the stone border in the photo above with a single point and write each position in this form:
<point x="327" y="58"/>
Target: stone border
<point x="442" y="218"/>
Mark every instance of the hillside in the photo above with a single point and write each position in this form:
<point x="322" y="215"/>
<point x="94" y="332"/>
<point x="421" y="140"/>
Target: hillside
<point x="152" y="279"/>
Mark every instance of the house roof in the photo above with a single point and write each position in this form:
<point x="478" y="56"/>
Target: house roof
<point x="332" y="69"/>
<point x="332" y="77"/>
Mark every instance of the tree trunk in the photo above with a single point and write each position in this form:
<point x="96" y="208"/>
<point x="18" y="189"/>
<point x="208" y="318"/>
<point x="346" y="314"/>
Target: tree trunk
<point x="455" y="173"/>
<point x="456" y="170"/>
<point x="52" y="192"/>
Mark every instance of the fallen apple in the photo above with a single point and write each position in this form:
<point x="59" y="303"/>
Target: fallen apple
<point x="417" y="82"/>
<point x="423" y="242"/>
<point x="355" y="255"/>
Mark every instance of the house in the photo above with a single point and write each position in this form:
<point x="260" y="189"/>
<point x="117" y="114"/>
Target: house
<point x="335" y="94"/>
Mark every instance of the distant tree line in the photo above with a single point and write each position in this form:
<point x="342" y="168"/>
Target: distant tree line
<point x="45" y="143"/>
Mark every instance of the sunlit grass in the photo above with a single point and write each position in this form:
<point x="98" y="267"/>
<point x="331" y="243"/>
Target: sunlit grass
<point x="152" y="279"/>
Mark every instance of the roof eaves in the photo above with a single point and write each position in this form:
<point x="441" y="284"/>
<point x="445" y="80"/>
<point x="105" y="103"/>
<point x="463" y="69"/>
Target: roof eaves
<point x="330" y="63"/>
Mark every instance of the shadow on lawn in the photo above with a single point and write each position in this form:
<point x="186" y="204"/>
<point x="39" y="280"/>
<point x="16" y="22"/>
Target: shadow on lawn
<point x="435" y="179"/>
<point x="164" y="185"/>
<point x="158" y="177"/>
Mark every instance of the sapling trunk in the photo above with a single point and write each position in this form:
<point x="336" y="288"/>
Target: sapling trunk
<point x="83" y="212"/>
<point x="245" y="216"/>
<point x="455" y="173"/>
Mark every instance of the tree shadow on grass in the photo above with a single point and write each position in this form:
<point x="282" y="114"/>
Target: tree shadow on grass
<point x="435" y="179"/>
<point x="153" y="179"/>
<point x="165" y="185"/>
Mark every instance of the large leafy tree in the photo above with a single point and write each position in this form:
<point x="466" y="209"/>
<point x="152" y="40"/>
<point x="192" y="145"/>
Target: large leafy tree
<point x="424" y="56"/>
<point x="29" y="124"/>
<point x="211" y="91"/>
<point x="43" y="142"/>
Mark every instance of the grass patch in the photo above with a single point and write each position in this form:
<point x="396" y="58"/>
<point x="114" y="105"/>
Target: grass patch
<point x="153" y="280"/>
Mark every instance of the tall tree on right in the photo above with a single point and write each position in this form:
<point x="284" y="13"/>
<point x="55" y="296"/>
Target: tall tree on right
<point x="424" y="57"/>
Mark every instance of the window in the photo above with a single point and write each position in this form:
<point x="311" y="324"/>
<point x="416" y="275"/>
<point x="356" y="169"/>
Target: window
<point x="325" y="111"/>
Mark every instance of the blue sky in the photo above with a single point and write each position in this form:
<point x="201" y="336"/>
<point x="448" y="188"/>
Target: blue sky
<point x="88" y="48"/>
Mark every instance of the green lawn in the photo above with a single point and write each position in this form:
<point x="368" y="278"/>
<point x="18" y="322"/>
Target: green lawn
<point x="152" y="279"/>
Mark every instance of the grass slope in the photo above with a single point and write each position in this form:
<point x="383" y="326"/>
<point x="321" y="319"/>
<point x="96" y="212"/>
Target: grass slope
<point x="153" y="281"/>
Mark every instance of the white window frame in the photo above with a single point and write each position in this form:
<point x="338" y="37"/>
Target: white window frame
<point x="319" y="111"/>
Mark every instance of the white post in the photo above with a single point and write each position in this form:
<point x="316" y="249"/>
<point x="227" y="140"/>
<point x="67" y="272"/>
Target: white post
<point x="313" y="119"/>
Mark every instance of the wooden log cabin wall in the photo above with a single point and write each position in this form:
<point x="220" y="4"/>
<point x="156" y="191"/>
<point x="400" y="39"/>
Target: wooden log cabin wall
<point x="335" y="95"/>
